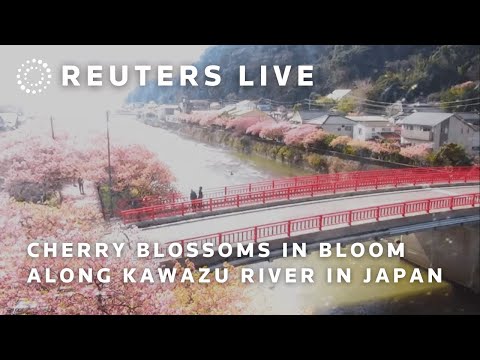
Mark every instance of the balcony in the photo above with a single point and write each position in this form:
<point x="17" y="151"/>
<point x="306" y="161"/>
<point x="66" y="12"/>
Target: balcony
<point x="417" y="135"/>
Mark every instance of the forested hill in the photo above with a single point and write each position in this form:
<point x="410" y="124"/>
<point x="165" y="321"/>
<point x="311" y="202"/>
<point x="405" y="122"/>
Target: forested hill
<point x="378" y="72"/>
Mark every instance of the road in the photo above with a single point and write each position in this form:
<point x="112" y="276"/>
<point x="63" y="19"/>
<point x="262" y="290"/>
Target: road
<point x="220" y="223"/>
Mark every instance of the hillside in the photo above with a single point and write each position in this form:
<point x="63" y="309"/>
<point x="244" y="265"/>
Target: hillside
<point x="378" y="72"/>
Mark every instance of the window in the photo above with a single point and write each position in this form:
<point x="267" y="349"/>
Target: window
<point x="446" y="130"/>
<point x="339" y="129"/>
<point x="386" y="129"/>
<point x="373" y="129"/>
<point x="475" y="148"/>
<point x="359" y="131"/>
<point x="425" y="128"/>
<point x="348" y="128"/>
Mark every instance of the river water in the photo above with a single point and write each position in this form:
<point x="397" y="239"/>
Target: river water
<point x="197" y="164"/>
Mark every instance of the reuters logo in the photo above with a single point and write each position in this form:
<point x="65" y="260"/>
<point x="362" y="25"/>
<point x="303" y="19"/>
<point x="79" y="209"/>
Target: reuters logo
<point x="34" y="76"/>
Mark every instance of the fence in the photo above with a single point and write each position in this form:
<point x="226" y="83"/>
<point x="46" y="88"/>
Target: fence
<point x="303" y="187"/>
<point x="311" y="224"/>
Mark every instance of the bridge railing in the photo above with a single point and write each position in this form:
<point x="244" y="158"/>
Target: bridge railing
<point x="317" y="223"/>
<point x="384" y="180"/>
<point x="296" y="181"/>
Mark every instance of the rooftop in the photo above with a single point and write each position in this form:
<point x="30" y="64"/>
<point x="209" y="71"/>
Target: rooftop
<point x="469" y="117"/>
<point x="426" y="118"/>
<point x="338" y="94"/>
<point x="309" y="115"/>
<point x="330" y="119"/>
<point x="368" y="118"/>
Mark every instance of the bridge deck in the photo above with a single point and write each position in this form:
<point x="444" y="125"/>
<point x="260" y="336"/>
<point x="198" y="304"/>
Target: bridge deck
<point x="221" y="223"/>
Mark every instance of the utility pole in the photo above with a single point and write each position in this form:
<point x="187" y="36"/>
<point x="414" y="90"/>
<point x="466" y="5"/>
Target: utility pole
<point x="51" y="127"/>
<point x="109" y="165"/>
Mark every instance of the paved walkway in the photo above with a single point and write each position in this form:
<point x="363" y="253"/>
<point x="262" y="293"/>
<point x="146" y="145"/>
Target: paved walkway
<point x="221" y="223"/>
<point x="72" y="194"/>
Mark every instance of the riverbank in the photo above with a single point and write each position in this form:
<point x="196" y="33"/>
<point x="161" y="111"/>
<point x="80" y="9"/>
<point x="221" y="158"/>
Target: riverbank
<point x="319" y="160"/>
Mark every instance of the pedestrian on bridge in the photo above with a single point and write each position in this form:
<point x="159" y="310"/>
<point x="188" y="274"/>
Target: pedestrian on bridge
<point x="193" y="198"/>
<point x="200" y="197"/>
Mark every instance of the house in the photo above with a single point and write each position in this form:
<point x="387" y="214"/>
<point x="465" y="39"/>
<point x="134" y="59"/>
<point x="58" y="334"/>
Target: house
<point x="302" y="117"/>
<point x="239" y="108"/>
<point x="331" y="123"/>
<point x="200" y="104"/>
<point x="215" y="106"/>
<point x="167" y="112"/>
<point x="8" y="120"/>
<point x="470" y="117"/>
<point x="439" y="129"/>
<point x="338" y="94"/>
<point x="372" y="127"/>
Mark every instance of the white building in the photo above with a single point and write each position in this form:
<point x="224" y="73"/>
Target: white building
<point x="371" y="127"/>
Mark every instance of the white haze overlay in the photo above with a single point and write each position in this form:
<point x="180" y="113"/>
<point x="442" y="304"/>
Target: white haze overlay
<point x="84" y="107"/>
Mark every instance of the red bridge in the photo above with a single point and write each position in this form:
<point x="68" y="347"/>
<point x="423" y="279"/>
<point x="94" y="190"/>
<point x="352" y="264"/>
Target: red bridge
<point x="274" y="192"/>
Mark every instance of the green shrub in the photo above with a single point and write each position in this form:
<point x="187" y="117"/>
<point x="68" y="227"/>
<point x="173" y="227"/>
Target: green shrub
<point x="450" y="155"/>
<point x="316" y="161"/>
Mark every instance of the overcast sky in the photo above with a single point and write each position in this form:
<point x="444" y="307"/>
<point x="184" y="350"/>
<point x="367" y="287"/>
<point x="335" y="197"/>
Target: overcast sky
<point x="84" y="102"/>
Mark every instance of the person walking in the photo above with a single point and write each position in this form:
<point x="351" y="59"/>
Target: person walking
<point x="200" y="197"/>
<point x="193" y="198"/>
<point x="80" y="186"/>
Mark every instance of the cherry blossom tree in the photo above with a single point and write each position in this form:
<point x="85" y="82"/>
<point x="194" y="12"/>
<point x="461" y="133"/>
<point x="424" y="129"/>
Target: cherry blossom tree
<point x="23" y="223"/>
<point x="256" y="128"/>
<point x="296" y="136"/>
<point x="242" y="123"/>
<point x="50" y="163"/>
<point x="275" y="131"/>
<point x="340" y="142"/>
<point x="417" y="153"/>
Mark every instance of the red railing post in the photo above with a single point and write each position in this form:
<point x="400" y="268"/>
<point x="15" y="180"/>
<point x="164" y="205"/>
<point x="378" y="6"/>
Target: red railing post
<point x="250" y="188"/>
<point x="225" y="191"/>
<point x="255" y="234"/>
<point x="396" y="181"/>
<point x="356" y="184"/>
<point x="210" y="204"/>
<point x="273" y="184"/>
<point x="182" y="209"/>
<point x="465" y="177"/>
<point x="334" y="187"/>
<point x="376" y="183"/>
<point x="320" y="220"/>
<point x="473" y="200"/>
<point x="350" y="217"/>
<point x="428" y="206"/>
<point x="451" y="203"/>
<point x="288" y="193"/>
<point x="377" y="213"/>
<point x="289" y="227"/>
<point x="219" y="238"/>
<point x="238" y="200"/>
<point x="295" y="181"/>
<point x="403" y="209"/>
<point x="312" y="190"/>
<point x="263" y="195"/>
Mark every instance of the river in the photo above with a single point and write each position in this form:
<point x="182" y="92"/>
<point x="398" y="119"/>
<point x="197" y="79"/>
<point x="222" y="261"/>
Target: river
<point x="197" y="164"/>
